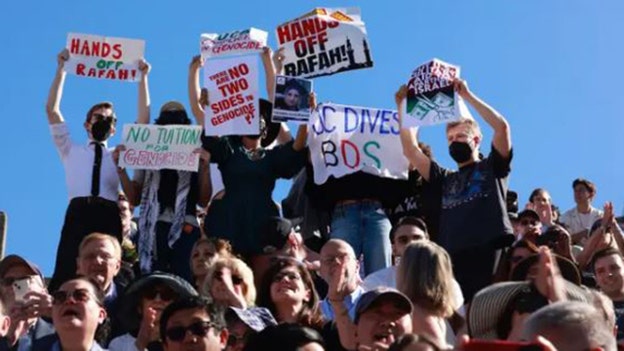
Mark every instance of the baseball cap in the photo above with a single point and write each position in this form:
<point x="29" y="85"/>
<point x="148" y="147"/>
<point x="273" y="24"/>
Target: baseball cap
<point x="256" y="318"/>
<point x="13" y="260"/>
<point x="369" y="298"/>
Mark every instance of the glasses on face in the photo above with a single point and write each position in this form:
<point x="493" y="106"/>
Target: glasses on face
<point x="236" y="280"/>
<point x="199" y="329"/>
<point x="8" y="281"/>
<point x="292" y="276"/>
<point x="328" y="260"/>
<point x="79" y="295"/>
<point x="163" y="294"/>
<point x="99" y="117"/>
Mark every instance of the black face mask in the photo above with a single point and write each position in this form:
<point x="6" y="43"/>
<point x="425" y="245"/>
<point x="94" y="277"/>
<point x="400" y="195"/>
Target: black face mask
<point x="460" y="152"/>
<point x="101" y="129"/>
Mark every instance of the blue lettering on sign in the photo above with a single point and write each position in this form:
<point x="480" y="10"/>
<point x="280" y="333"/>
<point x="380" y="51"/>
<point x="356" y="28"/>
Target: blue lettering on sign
<point x="395" y="117"/>
<point x="384" y="120"/>
<point x="347" y="129"/>
<point x="366" y="115"/>
<point x="323" y="121"/>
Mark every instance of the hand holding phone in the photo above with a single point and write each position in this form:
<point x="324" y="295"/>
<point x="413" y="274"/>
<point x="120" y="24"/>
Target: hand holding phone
<point x="20" y="288"/>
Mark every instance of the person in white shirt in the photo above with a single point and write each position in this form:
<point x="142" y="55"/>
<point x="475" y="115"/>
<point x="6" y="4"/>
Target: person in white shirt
<point x="406" y="231"/>
<point x="91" y="174"/>
<point x="580" y="219"/>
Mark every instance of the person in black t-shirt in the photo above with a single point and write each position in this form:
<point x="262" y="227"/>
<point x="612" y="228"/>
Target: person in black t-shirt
<point x="472" y="205"/>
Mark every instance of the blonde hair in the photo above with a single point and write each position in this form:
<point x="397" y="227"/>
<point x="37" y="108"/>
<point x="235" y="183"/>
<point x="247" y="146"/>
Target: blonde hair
<point x="239" y="268"/>
<point x="104" y="237"/>
<point x="425" y="276"/>
<point x="471" y="123"/>
<point x="222" y="248"/>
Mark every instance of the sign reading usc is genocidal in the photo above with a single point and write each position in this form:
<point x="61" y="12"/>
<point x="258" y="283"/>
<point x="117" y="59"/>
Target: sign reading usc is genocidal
<point x="431" y="98"/>
<point x="151" y="146"/>
<point x="232" y="85"/>
<point x="346" y="139"/>
<point x="323" y="42"/>
<point x="104" y="57"/>
<point x="238" y="42"/>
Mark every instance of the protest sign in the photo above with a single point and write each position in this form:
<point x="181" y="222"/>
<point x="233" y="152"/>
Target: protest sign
<point x="104" y="57"/>
<point x="151" y="146"/>
<point x="291" y="99"/>
<point x="246" y="41"/>
<point x="346" y="139"/>
<point x="323" y="42"/>
<point x="233" y="89"/>
<point x="431" y="98"/>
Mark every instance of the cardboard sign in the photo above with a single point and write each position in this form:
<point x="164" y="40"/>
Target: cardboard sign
<point x="104" y="57"/>
<point x="346" y="139"/>
<point x="151" y="146"/>
<point x="233" y="92"/>
<point x="323" y="42"/>
<point x="238" y="42"/>
<point x="431" y="98"/>
<point x="291" y="99"/>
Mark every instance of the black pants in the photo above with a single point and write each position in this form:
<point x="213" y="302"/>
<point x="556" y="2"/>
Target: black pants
<point x="473" y="269"/>
<point x="85" y="215"/>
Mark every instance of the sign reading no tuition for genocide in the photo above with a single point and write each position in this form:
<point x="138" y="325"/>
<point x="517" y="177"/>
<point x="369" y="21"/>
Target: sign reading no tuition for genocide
<point x="160" y="147"/>
<point x="323" y="42"/>
<point x="233" y="96"/>
<point x="104" y="57"/>
<point x="431" y="98"/>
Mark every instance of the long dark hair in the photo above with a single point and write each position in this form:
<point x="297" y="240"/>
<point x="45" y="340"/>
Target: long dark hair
<point x="310" y="315"/>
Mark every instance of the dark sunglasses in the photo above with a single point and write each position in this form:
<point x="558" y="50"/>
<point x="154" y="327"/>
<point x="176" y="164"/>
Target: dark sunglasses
<point x="99" y="116"/>
<point x="292" y="276"/>
<point x="236" y="280"/>
<point x="79" y="295"/>
<point x="9" y="281"/>
<point x="199" y="329"/>
<point x="164" y="294"/>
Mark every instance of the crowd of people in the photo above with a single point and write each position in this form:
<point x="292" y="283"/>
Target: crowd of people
<point x="445" y="260"/>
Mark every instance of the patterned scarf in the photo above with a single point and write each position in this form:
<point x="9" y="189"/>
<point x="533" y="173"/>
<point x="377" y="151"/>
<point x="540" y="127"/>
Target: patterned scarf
<point x="150" y="210"/>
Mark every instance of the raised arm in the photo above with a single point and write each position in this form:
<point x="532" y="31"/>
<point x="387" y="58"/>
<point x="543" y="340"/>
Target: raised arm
<point x="278" y="60"/>
<point x="205" y="184"/>
<point x="502" y="134"/>
<point x="53" y="105"/>
<point x="269" y="72"/>
<point x="194" y="89"/>
<point x="409" y="141"/>
<point x="302" y="132"/>
<point x="144" y="98"/>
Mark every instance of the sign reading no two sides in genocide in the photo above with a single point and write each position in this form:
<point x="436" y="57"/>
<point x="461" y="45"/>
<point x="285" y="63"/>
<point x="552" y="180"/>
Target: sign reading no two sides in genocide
<point x="232" y="85"/>
<point x="324" y="41"/>
<point x="104" y="57"/>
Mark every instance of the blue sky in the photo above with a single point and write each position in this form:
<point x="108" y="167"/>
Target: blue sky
<point x="551" y="67"/>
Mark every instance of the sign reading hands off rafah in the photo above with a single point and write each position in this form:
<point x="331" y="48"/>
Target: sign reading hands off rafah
<point x="104" y="57"/>
<point x="323" y="42"/>
<point x="151" y="146"/>
<point x="346" y="139"/>
<point x="431" y="98"/>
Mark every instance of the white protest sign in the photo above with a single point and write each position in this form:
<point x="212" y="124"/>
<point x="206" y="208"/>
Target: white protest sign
<point x="431" y="98"/>
<point x="232" y="43"/>
<point x="232" y="85"/>
<point x="346" y="139"/>
<point x="291" y="100"/>
<point x="104" y="57"/>
<point x="323" y="42"/>
<point x="151" y="146"/>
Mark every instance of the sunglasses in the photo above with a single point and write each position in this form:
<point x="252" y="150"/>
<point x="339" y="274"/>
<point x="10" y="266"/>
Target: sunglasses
<point x="99" y="116"/>
<point x="292" y="276"/>
<point x="236" y="280"/>
<point x="164" y="294"/>
<point x="79" y="295"/>
<point x="10" y="280"/>
<point x="199" y="329"/>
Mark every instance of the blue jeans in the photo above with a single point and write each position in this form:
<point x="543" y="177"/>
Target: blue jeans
<point x="365" y="226"/>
